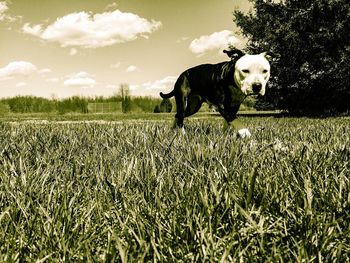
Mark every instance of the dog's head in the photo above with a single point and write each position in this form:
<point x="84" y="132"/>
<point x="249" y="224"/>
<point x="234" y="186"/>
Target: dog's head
<point x="251" y="71"/>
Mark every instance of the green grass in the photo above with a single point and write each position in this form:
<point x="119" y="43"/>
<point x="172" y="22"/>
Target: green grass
<point x="137" y="191"/>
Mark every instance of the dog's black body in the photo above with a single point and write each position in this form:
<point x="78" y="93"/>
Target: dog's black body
<point x="212" y="83"/>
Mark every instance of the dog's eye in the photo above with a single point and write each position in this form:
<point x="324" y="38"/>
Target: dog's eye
<point x="265" y="71"/>
<point x="245" y="71"/>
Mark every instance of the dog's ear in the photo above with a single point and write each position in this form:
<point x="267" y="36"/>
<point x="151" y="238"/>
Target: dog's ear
<point x="234" y="53"/>
<point x="269" y="56"/>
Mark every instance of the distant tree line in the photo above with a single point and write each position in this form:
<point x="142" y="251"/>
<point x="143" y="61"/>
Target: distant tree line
<point x="31" y="104"/>
<point x="75" y="104"/>
<point x="310" y="44"/>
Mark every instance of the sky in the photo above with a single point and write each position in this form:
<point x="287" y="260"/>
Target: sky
<point x="63" y="48"/>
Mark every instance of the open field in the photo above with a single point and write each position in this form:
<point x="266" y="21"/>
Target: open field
<point x="137" y="191"/>
<point x="111" y="117"/>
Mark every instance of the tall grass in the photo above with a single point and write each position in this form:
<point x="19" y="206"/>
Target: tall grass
<point x="139" y="191"/>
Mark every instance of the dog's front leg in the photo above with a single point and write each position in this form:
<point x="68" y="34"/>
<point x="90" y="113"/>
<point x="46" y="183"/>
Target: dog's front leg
<point x="231" y="121"/>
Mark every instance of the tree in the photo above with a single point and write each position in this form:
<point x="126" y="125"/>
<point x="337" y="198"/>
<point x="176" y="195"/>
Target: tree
<point x="311" y="43"/>
<point x="124" y="91"/>
<point x="156" y="109"/>
<point x="165" y="105"/>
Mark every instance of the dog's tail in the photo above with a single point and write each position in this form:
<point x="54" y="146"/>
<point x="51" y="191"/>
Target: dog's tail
<point x="168" y="95"/>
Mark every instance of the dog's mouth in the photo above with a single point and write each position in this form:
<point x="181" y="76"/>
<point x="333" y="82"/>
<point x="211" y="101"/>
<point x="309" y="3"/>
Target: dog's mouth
<point x="255" y="89"/>
<point x="250" y="92"/>
<point x="256" y="92"/>
<point x="254" y="95"/>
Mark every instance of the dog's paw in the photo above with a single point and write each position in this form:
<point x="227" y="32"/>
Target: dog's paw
<point x="182" y="129"/>
<point x="244" y="133"/>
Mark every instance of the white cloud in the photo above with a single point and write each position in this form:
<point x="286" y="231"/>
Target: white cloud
<point x="162" y="84"/>
<point x="131" y="68"/>
<point x="3" y="13"/>
<point x="17" y="68"/>
<point x="216" y="41"/>
<point x="81" y="79"/>
<point x="73" y="51"/>
<point x="21" y="84"/>
<point x="111" y="86"/>
<point x="94" y="30"/>
<point x="53" y="80"/>
<point x="112" y="6"/>
<point x="45" y="71"/>
<point x="182" y="39"/>
<point x="32" y="30"/>
<point x="152" y="88"/>
<point x="116" y="65"/>
<point x="3" y="9"/>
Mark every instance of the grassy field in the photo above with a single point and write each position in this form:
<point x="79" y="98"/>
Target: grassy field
<point x="137" y="191"/>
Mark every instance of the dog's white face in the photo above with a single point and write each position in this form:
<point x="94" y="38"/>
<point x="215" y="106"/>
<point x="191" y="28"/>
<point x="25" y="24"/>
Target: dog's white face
<point x="252" y="73"/>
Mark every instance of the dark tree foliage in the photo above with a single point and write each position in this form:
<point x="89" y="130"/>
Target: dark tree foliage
<point x="310" y="40"/>
<point x="165" y="105"/>
<point x="73" y="104"/>
<point x="156" y="109"/>
<point x="23" y="104"/>
<point x="124" y="91"/>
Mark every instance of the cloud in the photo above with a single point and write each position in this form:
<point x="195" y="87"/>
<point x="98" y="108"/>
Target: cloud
<point x="162" y="84"/>
<point x="111" y="6"/>
<point x="131" y="68"/>
<point x="89" y="30"/>
<point x="21" y="84"/>
<point x="17" y="68"/>
<point x="45" y="71"/>
<point x="73" y="51"/>
<point x="81" y="80"/>
<point x="116" y="65"/>
<point x="32" y="30"/>
<point x="53" y="80"/>
<point x="216" y="41"/>
<point x="5" y="17"/>
<point x="182" y="39"/>
<point x="3" y="9"/>
<point x="152" y="88"/>
<point x="111" y="86"/>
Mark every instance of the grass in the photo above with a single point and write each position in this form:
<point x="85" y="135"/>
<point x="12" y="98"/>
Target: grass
<point x="138" y="191"/>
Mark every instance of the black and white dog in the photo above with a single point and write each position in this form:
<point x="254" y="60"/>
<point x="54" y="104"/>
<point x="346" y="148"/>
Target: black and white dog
<point x="224" y="85"/>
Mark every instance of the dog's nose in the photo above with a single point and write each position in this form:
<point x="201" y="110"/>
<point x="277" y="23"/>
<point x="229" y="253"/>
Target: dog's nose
<point x="256" y="87"/>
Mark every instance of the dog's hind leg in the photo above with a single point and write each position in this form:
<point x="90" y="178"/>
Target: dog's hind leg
<point x="182" y="86"/>
<point x="180" y="111"/>
<point x="194" y="103"/>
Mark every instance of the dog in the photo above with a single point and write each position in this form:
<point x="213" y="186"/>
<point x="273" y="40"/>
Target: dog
<point x="224" y="85"/>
